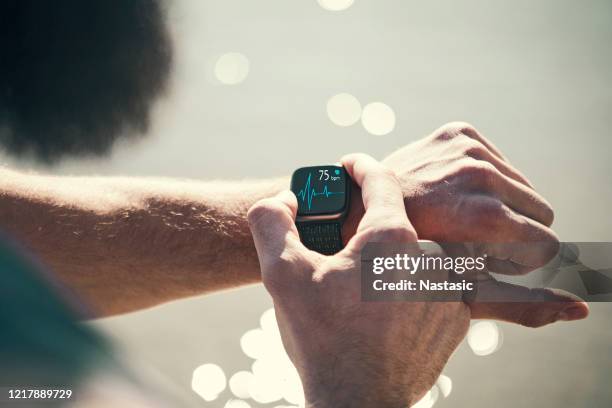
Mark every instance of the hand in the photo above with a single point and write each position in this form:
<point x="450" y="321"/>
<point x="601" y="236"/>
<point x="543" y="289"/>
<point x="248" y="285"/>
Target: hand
<point x="458" y="187"/>
<point x="351" y="353"/>
<point x="354" y="353"/>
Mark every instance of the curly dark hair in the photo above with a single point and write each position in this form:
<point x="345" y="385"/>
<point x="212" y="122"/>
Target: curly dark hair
<point x="76" y="75"/>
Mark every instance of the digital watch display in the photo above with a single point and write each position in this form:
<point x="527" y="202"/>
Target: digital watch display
<point x="323" y="194"/>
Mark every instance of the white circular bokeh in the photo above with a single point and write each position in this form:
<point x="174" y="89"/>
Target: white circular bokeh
<point x="343" y="109"/>
<point x="268" y="322"/>
<point x="232" y="68"/>
<point x="429" y="399"/>
<point x="336" y="5"/>
<point x="378" y="118"/>
<point x="272" y="375"/>
<point x="263" y="387"/>
<point x="484" y="338"/>
<point x="236" y="403"/>
<point x="239" y="383"/>
<point x="445" y="385"/>
<point x="208" y="381"/>
<point x="253" y="343"/>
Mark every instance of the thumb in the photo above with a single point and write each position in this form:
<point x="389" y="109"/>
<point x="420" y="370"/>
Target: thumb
<point x="527" y="307"/>
<point x="272" y="223"/>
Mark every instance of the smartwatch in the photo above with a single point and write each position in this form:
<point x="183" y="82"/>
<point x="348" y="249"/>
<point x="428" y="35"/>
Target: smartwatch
<point x="323" y="194"/>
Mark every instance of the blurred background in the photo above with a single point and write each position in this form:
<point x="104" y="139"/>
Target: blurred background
<point x="254" y="94"/>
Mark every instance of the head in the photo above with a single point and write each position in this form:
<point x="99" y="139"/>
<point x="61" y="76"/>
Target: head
<point x="77" y="75"/>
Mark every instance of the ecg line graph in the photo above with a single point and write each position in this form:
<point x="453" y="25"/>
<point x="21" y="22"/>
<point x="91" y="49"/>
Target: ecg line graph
<point x="308" y="193"/>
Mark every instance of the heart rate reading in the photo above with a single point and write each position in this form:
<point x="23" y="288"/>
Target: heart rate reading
<point x="320" y="190"/>
<point x="308" y="193"/>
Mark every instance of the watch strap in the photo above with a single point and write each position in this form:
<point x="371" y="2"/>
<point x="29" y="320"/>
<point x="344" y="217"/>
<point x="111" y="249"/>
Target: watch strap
<point x="324" y="237"/>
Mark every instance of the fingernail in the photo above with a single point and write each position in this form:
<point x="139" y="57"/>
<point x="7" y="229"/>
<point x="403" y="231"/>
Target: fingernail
<point x="571" y="313"/>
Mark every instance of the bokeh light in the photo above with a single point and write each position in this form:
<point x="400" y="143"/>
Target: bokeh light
<point x="272" y="376"/>
<point x="273" y="379"/>
<point x="232" y="68"/>
<point x="336" y="5"/>
<point x="445" y="385"/>
<point x="268" y="323"/>
<point x="263" y="387"/>
<point x="378" y="118"/>
<point x="343" y="109"/>
<point x="292" y="389"/>
<point x="429" y="399"/>
<point x="237" y="403"/>
<point x="239" y="384"/>
<point x="484" y="337"/>
<point x="208" y="381"/>
<point x="253" y="343"/>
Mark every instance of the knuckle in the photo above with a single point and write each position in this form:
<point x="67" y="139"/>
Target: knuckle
<point x="463" y="127"/>
<point x="532" y="315"/>
<point x="478" y="171"/>
<point x="443" y="135"/>
<point x="454" y="129"/>
<point x="474" y="149"/>
<point x="528" y="319"/>
<point x="490" y="213"/>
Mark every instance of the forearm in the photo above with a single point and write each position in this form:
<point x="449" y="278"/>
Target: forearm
<point x="128" y="243"/>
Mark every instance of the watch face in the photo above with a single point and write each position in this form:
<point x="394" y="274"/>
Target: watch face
<point x="321" y="190"/>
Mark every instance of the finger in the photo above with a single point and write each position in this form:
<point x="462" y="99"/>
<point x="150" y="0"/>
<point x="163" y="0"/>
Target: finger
<point x="473" y="133"/>
<point x="381" y="194"/>
<point x="532" y="246"/>
<point x="514" y="244"/>
<point x="454" y="129"/>
<point x="525" y="201"/>
<point x="527" y="307"/>
<point x="514" y="194"/>
<point x="479" y="151"/>
<point x="272" y="223"/>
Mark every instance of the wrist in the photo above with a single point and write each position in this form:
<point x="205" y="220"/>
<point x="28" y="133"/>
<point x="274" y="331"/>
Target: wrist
<point x="356" y="387"/>
<point x="356" y="396"/>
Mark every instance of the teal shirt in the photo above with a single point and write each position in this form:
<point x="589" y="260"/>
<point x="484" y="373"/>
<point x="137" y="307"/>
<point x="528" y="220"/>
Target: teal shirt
<point x="41" y="339"/>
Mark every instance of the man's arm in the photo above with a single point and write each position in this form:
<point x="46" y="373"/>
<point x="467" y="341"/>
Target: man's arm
<point x="128" y="243"/>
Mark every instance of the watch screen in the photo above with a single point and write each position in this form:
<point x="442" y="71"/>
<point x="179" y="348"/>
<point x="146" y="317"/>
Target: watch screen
<point x="320" y="189"/>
